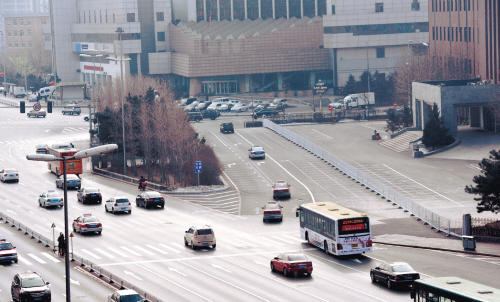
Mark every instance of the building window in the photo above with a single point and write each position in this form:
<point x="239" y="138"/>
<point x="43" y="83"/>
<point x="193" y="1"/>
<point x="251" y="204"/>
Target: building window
<point x="253" y="9"/>
<point x="212" y="10"/>
<point x="10" y="44"/>
<point x="415" y="5"/>
<point x="16" y="44"/>
<point x="15" y="21"/>
<point x="22" y="44"/>
<point x="84" y="18"/>
<point x="460" y="34"/>
<point x="30" y="44"/>
<point x="294" y="9"/>
<point x="100" y="16"/>
<point x="29" y="32"/>
<point x="95" y="17"/>
<point x="44" y="21"/>
<point x="131" y="17"/>
<point x="15" y="33"/>
<point x="451" y="5"/>
<point x="309" y="8"/>
<point x="21" y="33"/>
<point x="28" y="21"/>
<point x="266" y="9"/>
<point x="161" y="36"/>
<point x="160" y="16"/>
<point x="280" y="9"/>
<point x="200" y="13"/>
<point x="380" y="52"/>
<point x="433" y="33"/>
<point x="8" y="21"/>
<point x="379" y="7"/>
<point x="21" y="22"/>
<point x="333" y="9"/>
<point x="449" y="34"/>
<point x="321" y="8"/>
<point x="9" y="33"/>
<point x="114" y="20"/>
<point x="469" y="34"/>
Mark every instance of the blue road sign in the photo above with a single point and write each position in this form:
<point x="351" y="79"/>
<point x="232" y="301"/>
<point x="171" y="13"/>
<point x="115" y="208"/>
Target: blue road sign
<point x="198" y="167"/>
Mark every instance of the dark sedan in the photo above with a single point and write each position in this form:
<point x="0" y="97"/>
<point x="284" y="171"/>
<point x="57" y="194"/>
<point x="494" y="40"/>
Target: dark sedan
<point x="89" y="195"/>
<point x="394" y="274"/>
<point x="150" y="199"/>
<point x="265" y="112"/>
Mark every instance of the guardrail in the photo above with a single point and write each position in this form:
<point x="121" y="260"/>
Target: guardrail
<point x="9" y="102"/>
<point x="441" y="223"/>
<point x="86" y="264"/>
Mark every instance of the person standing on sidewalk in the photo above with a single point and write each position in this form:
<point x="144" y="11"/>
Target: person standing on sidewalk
<point x="62" y="244"/>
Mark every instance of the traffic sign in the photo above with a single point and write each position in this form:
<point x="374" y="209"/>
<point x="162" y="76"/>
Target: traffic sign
<point x="37" y="107"/>
<point x="71" y="235"/>
<point x="53" y="225"/>
<point x="330" y="108"/>
<point x="198" y="167"/>
<point x="395" y="104"/>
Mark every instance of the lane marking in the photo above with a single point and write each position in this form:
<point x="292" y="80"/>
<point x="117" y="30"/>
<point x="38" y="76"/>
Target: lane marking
<point x="37" y="259"/>
<point x="119" y="253"/>
<point x="323" y="134"/>
<point x="144" y="250"/>
<point x="90" y="253"/>
<point x="104" y="253"/>
<point x="157" y="249"/>
<point x="169" y="248"/>
<point x="50" y="257"/>
<point x="130" y="251"/>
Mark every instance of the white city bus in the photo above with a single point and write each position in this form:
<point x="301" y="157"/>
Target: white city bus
<point x="335" y="229"/>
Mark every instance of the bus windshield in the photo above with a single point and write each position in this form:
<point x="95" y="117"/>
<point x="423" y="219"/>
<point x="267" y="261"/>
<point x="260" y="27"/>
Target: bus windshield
<point x="354" y="226"/>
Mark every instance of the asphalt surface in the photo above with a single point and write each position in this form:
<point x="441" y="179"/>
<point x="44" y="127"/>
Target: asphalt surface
<point x="146" y="248"/>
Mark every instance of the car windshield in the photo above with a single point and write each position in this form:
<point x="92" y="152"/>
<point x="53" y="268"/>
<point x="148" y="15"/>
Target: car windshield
<point x="32" y="282"/>
<point x="5" y="246"/>
<point x="53" y="195"/>
<point x="258" y="149"/>
<point x="121" y="200"/>
<point x="131" y="298"/>
<point x="297" y="257"/>
<point x="205" y="232"/>
<point x="281" y="185"/>
<point x="71" y="177"/>
<point x="154" y="194"/>
<point x="10" y="170"/>
<point x="272" y="207"/>
<point x="92" y="190"/>
<point x="90" y="219"/>
<point x="402" y="268"/>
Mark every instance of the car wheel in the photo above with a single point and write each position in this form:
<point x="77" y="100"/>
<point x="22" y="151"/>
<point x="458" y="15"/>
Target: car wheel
<point x="162" y="206"/>
<point x="74" y="229"/>
<point x="372" y="277"/>
<point x="307" y="237"/>
<point x="325" y="247"/>
<point x="136" y="203"/>
<point x="281" y="219"/>
<point x="185" y="242"/>
<point x="113" y="210"/>
<point x="146" y="205"/>
<point x="285" y="273"/>
<point x="272" y="267"/>
<point x="99" y="233"/>
<point x="389" y="284"/>
<point x="130" y="212"/>
<point x="214" y="246"/>
<point x="106" y="208"/>
<point x="192" y="246"/>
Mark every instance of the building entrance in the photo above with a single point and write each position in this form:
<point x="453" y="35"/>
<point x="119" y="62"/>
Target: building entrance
<point x="219" y="87"/>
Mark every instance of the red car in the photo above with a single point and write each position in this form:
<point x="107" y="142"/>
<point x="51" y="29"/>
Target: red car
<point x="292" y="263"/>
<point x="281" y="189"/>
<point x="87" y="223"/>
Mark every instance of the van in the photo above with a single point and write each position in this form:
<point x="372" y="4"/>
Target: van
<point x="19" y="92"/>
<point x="221" y="100"/>
<point x="45" y="92"/>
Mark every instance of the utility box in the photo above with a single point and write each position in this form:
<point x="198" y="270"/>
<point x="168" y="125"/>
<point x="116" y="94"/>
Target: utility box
<point x="469" y="243"/>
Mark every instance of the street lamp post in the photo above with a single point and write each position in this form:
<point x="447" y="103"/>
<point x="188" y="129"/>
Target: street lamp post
<point x="93" y="91"/>
<point x="3" y="51"/>
<point x="119" y="30"/>
<point x="78" y="155"/>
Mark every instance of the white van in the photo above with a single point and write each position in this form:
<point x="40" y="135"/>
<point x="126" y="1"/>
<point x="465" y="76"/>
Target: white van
<point x="19" y="92"/>
<point x="45" y="92"/>
<point x="215" y="106"/>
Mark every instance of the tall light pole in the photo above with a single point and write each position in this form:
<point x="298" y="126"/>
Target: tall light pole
<point x="93" y="91"/>
<point x="119" y="30"/>
<point x="428" y="61"/>
<point x="3" y="51"/>
<point x="368" y="65"/>
<point x="78" y="155"/>
<point x="410" y="72"/>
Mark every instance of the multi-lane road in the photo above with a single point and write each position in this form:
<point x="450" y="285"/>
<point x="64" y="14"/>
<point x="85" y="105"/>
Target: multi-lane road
<point x="146" y="247"/>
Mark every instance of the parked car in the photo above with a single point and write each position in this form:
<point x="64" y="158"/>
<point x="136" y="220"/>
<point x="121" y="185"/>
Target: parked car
<point x="200" y="106"/>
<point x="8" y="252"/>
<point x="30" y="286"/>
<point x="211" y="114"/>
<point x="51" y="198"/>
<point x="42" y="148"/>
<point x="10" y="174"/>
<point x="125" y="295"/>
<point x="71" y="110"/>
<point x="150" y="199"/>
<point x="87" y="223"/>
<point x="33" y="98"/>
<point x="272" y="211"/>
<point x="200" y="237"/>
<point x="34" y="113"/>
<point x="89" y="195"/>
<point x="394" y="274"/>
<point x="239" y="108"/>
<point x="256" y="152"/>
<point x="254" y="104"/>
<point x="72" y="181"/>
<point x="224" y="107"/>
<point x="226" y="128"/>
<point x="187" y="101"/>
<point x="281" y="189"/>
<point x="278" y="103"/>
<point x="195" y="116"/>
<point x="265" y="112"/>
<point x="118" y="204"/>
<point x="292" y="263"/>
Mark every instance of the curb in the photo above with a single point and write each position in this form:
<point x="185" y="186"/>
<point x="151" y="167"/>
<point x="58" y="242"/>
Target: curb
<point x="437" y="249"/>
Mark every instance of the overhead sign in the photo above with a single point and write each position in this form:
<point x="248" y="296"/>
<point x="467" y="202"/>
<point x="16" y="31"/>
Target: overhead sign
<point x="198" y="167"/>
<point x="37" y="107"/>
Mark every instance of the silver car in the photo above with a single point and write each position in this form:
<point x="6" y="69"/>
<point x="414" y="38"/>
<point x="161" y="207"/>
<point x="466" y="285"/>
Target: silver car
<point x="256" y="152"/>
<point x="72" y="181"/>
<point x="10" y="174"/>
<point x="123" y="295"/>
<point x="200" y="237"/>
<point x="118" y="204"/>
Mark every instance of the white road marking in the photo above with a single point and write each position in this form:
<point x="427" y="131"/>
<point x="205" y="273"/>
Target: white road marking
<point x="323" y="134"/>
<point x="90" y="253"/>
<point x="119" y="253"/>
<point x="23" y="260"/>
<point x="36" y="258"/>
<point x="169" y="248"/>
<point x="50" y="257"/>
<point x="130" y="251"/>
<point x="144" y="250"/>
<point x="157" y="249"/>
<point x="104" y="253"/>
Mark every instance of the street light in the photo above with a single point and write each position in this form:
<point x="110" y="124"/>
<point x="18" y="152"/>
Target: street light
<point x="3" y="51"/>
<point x="93" y="90"/>
<point x="78" y="155"/>
<point x="119" y="30"/>
<point x="428" y="61"/>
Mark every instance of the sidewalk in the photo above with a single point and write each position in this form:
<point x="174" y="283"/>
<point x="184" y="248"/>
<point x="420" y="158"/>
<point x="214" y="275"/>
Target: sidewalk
<point x="451" y="244"/>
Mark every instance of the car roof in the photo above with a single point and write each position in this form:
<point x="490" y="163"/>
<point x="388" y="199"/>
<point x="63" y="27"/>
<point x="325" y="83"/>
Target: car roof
<point x="153" y="193"/>
<point x="123" y="292"/>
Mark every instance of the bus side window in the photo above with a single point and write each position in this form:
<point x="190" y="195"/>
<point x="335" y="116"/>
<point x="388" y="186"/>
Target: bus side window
<point x="301" y="216"/>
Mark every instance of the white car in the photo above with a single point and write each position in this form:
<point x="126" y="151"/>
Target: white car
<point x="200" y="237"/>
<point x="50" y="199"/>
<point x="118" y="204"/>
<point x="10" y="174"/>
<point x="254" y="104"/>
<point x="127" y="295"/>
<point x="224" y="107"/>
<point x="337" y="105"/>
<point x="200" y="106"/>
<point x="239" y="108"/>
<point x="256" y="152"/>
<point x="33" y="98"/>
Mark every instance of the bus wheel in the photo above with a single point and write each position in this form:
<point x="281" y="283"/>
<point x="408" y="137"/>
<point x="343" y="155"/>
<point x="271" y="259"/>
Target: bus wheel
<point x="307" y="237"/>
<point x="325" y="247"/>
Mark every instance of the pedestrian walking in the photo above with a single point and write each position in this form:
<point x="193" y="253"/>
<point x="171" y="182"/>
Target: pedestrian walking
<point x="62" y="244"/>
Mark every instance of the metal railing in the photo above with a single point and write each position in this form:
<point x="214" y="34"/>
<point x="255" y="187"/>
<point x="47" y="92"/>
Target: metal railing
<point x="89" y="266"/>
<point x="441" y="223"/>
